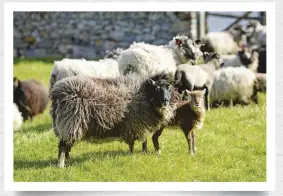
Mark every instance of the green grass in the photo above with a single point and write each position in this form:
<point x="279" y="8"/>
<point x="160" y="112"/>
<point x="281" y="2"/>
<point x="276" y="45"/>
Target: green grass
<point x="231" y="147"/>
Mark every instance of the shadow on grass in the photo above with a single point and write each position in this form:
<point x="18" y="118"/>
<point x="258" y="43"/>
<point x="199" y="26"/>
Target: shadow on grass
<point x="38" y="128"/>
<point x="75" y="160"/>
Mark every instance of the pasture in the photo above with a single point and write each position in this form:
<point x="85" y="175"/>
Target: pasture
<point x="231" y="148"/>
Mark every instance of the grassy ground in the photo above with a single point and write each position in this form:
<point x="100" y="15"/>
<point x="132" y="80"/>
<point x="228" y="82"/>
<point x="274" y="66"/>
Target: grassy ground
<point x="231" y="147"/>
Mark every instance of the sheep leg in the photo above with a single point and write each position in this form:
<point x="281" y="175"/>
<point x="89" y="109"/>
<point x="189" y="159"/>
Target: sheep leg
<point x="131" y="146"/>
<point x="189" y="140"/>
<point x="61" y="154"/>
<point x="155" y="140"/>
<point x="194" y="142"/>
<point x="67" y="154"/>
<point x="144" y="146"/>
<point x="207" y="99"/>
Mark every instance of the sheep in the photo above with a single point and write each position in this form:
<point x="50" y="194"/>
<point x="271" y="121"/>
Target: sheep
<point x="30" y="96"/>
<point x="198" y="77"/>
<point x="17" y="118"/>
<point x="237" y="84"/>
<point x="261" y="57"/>
<point x="243" y="58"/>
<point x="256" y="33"/>
<point x="71" y="67"/>
<point x="125" y="108"/>
<point x="224" y="42"/>
<point x="261" y="79"/>
<point x="189" y="116"/>
<point x="149" y="59"/>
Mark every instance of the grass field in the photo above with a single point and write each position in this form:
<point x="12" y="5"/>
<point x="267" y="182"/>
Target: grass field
<point x="231" y="147"/>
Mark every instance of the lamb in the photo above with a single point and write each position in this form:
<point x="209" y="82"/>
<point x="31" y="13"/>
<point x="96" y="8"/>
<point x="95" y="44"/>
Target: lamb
<point x="243" y="58"/>
<point x="224" y="42"/>
<point x="198" y="77"/>
<point x="71" y="67"/>
<point x="237" y="84"/>
<point x="125" y="108"/>
<point x="149" y="59"/>
<point x="256" y="33"/>
<point x="17" y="118"/>
<point x="30" y="96"/>
<point x="190" y="115"/>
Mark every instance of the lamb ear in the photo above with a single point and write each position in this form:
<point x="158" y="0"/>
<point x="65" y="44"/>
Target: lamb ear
<point x="204" y="91"/>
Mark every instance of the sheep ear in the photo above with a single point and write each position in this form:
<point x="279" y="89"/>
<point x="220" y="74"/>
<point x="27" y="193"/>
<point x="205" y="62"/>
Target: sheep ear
<point x="203" y="91"/>
<point x="178" y="42"/>
<point x="198" y="43"/>
<point x="16" y="82"/>
<point x="151" y="82"/>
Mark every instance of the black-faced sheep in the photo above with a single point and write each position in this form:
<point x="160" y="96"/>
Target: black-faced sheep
<point x="200" y="76"/>
<point x="30" y="96"/>
<point x="149" y="59"/>
<point x="225" y="42"/>
<point x="125" y="108"/>
<point x="189" y="117"/>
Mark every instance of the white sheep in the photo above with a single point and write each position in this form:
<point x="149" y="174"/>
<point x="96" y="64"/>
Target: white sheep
<point x="238" y="84"/>
<point x="199" y="76"/>
<point x="224" y="42"/>
<point x="144" y="58"/>
<point x="17" y="118"/>
<point x="242" y="58"/>
<point x="70" y="67"/>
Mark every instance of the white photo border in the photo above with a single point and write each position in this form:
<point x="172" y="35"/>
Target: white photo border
<point x="11" y="7"/>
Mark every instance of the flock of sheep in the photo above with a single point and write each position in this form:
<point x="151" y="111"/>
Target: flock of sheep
<point x="136" y="92"/>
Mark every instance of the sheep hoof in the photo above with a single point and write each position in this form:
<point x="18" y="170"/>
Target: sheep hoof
<point x="158" y="152"/>
<point x="61" y="165"/>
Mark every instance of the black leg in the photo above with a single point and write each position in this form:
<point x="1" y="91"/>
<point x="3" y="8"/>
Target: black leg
<point x="144" y="146"/>
<point x="67" y="154"/>
<point x="131" y="146"/>
<point x="155" y="140"/>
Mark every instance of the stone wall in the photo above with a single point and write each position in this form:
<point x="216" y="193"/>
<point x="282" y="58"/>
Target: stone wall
<point x="90" y="34"/>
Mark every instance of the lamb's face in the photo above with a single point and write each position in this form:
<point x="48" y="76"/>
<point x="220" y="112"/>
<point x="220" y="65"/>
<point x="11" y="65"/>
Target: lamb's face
<point x="196" y="98"/>
<point x="189" y="49"/>
<point x="159" y="93"/>
<point x="18" y="95"/>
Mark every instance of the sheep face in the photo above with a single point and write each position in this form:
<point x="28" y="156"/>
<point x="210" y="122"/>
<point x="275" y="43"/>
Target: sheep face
<point x="245" y="56"/>
<point x="195" y="98"/>
<point x="213" y="56"/>
<point x="159" y="93"/>
<point x="189" y="49"/>
<point x="239" y="34"/>
<point x="19" y="95"/>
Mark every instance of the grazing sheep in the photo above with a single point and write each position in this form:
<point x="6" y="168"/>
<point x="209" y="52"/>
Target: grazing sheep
<point x="71" y="67"/>
<point x="125" y="108"/>
<point x="256" y="33"/>
<point x="261" y="79"/>
<point x="149" y="59"/>
<point x="225" y="42"/>
<point x="30" y="96"/>
<point x="198" y="77"/>
<point x="243" y="58"/>
<point x="238" y="84"/>
<point x="17" y="118"/>
<point x="189" y="117"/>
